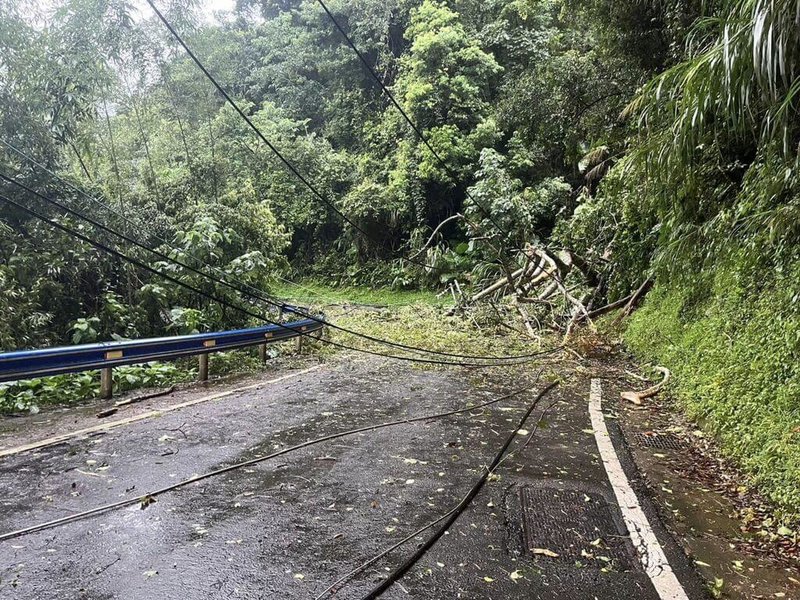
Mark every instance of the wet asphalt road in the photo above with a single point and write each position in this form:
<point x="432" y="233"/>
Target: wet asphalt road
<point x="289" y="527"/>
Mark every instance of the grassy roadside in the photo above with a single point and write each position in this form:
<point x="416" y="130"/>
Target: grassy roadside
<point x="732" y="348"/>
<point x="413" y="318"/>
<point x="310" y="292"/>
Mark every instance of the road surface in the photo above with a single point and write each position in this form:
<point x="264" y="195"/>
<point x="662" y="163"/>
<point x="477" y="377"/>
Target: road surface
<point x="547" y="525"/>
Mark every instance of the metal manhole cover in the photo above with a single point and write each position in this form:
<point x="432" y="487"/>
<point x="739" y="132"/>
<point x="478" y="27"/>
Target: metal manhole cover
<point x="659" y="441"/>
<point x="577" y="526"/>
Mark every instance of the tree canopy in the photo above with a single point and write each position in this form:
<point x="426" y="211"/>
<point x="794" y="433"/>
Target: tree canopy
<point x="626" y="132"/>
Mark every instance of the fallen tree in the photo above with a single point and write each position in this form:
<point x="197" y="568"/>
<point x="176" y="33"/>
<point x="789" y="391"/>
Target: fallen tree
<point x="558" y="287"/>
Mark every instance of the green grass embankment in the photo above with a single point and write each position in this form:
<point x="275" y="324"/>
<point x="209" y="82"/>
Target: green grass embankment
<point x="732" y="344"/>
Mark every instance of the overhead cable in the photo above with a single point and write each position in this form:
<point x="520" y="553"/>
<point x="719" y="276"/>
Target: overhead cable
<point x="244" y="289"/>
<point x="229" y="304"/>
<point x="287" y="163"/>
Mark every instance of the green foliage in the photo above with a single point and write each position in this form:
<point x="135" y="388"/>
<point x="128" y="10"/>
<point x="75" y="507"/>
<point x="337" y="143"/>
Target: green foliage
<point x="705" y="200"/>
<point x="146" y="134"/>
<point x="732" y="343"/>
<point x="441" y="331"/>
<point x="445" y="75"/>
<point x="313" y="292"/>
<point x="83" y="330"/>
<point x="30" y="394"/>
<point x="528" y="213"/>
<point x="718" y="146"/>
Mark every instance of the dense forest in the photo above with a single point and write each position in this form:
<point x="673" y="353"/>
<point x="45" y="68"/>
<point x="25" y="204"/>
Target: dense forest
<point x="656" y="141"/>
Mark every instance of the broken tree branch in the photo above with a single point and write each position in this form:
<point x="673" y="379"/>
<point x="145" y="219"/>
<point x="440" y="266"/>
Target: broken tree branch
<point x="634" y="300"/>
<point x="637" y="397"/>
<point x="433" y="235"/>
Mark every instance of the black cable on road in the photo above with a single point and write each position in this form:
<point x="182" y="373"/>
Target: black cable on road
<point x="402" y="111"/>
<point x="146" y="499"/>
<point x="395" y="575"/>
<point x="337" y="585"/>
<point x="228" y="304"/>
<point x="254" y="293"/>
<point x="287" y="163"/>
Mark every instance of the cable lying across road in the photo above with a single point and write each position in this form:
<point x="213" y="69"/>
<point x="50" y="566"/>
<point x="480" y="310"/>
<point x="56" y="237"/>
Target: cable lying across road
<point x="244" y="289"/>
<point x="336" y="586"/>
<point x="231" y="305"/>
<point x="150" y="497"/>
<point x="395" y="575"/>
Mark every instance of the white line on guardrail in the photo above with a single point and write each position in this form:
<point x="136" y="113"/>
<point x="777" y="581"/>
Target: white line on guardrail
<point x="153" y="413"/>
<point x="651" y="554"/>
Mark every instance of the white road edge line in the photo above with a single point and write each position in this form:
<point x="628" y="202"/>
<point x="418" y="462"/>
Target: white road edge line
<point x="152" y="413"/>
<point x="651" y="554"/>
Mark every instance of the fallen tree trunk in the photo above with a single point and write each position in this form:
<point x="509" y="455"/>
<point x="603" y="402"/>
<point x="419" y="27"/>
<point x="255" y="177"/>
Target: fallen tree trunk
<point x="499" y="284"/>
<point x="607" y="308"/>
<point x="634" y="300"/>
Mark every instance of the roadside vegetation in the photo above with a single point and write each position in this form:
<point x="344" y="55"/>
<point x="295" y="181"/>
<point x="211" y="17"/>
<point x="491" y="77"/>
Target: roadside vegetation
<point x="577" y="156"/>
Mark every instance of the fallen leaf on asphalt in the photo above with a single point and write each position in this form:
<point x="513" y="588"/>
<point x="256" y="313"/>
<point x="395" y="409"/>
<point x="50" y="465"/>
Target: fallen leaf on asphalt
<point x="149" y="574"/>
<point x="299" y="576"/>
<point x="488" y="579"/>
<point x="515" y="575"/>
<point x="544" y="552"/>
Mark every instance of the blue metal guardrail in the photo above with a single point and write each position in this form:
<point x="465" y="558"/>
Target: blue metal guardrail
<point x="28" y="364"/>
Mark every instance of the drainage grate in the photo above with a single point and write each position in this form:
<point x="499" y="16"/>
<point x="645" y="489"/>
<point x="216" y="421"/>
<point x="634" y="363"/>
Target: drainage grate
<point x="578" y="526"/>
<point x="660" y="441"/>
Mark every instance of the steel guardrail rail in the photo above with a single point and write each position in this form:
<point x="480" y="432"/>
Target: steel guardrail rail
<point x="29" y="364"/>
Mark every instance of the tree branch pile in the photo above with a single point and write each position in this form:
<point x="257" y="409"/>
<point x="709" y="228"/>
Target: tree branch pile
<point x="557" y="291"/>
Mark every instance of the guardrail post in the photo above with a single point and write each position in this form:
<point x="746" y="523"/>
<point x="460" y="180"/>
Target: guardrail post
<point x="106" y="383"/>
<point x="298" y="343"/>
<point x="262" y="353"/>
<point x="203" y="374"/>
